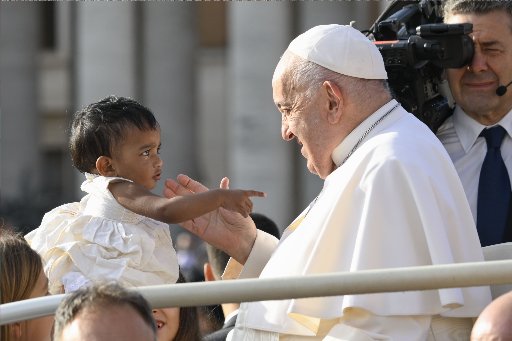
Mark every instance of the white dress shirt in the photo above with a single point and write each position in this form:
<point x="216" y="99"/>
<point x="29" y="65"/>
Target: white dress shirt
<point x="459" y="135"/>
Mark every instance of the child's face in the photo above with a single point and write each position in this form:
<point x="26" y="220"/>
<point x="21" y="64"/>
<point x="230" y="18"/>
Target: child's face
<point x="167" y="323"/>
<point x="137" y="157"/>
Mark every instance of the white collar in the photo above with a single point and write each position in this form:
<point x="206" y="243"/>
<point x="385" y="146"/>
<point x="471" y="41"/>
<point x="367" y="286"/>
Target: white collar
<point x="468" y="129"/>
<point x="340" y="153"/>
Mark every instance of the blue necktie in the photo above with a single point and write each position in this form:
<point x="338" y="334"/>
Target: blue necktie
<point x="493" y="191"/>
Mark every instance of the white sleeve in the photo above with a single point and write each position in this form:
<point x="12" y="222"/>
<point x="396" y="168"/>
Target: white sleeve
<point x="262" y="250"/>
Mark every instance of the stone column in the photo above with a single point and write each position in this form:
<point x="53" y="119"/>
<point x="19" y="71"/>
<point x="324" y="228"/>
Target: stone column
<point x="106" y="38"/>
<point x="258" y="157"/>
<point x="106" y="47"/>
<point x="20" y="168"/>
<point x="169" y="52"/>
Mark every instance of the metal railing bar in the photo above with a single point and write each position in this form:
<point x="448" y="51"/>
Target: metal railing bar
<point x="333" y="284"/>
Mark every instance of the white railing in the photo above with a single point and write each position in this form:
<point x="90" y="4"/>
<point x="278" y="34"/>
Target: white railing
<point x="246" y="290"/>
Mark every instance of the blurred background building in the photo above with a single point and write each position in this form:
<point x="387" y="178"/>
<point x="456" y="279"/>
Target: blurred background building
<point x="203" y="67"/>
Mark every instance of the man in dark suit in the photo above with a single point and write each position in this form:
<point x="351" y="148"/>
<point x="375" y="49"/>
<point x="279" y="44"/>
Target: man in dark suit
<point x="213" y="270"/>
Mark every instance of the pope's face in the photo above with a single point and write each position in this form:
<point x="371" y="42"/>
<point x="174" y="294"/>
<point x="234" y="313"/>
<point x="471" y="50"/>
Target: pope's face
<point x="303" y="119"/>
<point x="474" y="87"/>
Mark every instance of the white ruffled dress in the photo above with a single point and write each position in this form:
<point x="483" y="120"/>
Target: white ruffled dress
<point x="97" y="239"/>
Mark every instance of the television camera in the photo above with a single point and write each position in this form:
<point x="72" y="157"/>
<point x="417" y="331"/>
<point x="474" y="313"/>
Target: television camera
<point x="416" y="47"/>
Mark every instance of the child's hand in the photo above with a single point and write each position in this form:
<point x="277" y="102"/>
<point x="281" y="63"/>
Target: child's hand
<point x="238" y="200"/>
<point x="224" y="229"/>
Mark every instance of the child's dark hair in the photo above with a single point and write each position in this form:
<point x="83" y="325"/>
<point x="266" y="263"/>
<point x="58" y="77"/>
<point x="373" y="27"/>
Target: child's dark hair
<point x="98" y="127"/>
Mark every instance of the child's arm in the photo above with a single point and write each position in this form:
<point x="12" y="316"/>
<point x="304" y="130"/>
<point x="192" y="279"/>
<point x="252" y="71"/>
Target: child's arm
<point x="178" y="209"/>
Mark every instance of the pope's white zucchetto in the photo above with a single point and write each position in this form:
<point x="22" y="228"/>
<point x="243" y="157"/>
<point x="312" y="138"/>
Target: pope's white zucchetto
<point x="342" y="49"/>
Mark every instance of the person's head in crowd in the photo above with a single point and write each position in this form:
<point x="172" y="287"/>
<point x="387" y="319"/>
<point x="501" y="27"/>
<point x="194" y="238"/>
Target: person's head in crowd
<point x="307" y="77"/>
<point x="167" y="323"/>
<point x="105" y="311"/>
<point x="218" y="259"/>
<point x="495" y="322"/>
<point x="474" y="86"/>
<point x="22" y="277"/>
<point x="265" y="224"/>
<point x="177" y="323"/>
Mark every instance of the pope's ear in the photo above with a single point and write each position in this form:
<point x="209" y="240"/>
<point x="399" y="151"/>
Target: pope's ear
<point x="105" y="167"/>
<point x="335" y="101"/>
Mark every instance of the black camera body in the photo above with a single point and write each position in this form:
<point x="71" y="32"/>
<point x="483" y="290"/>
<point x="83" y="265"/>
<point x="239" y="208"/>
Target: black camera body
<point x="416" y="47"/>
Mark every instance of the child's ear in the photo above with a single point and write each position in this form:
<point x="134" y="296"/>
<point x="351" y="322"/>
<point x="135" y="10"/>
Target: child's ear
<point x="105" y="167"/>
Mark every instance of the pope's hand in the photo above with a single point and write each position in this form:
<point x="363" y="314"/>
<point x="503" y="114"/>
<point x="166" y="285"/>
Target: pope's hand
<point x="223" y="229"/>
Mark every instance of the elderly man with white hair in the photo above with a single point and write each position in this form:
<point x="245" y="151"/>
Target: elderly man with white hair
<point x="391" y="198"/>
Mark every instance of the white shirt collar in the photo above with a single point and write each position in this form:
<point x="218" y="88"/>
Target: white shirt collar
<point x="343" y="149"/>
<point x="468" y="129"/>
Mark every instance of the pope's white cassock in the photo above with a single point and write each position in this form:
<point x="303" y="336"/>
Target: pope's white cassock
<point x="395" y="202"/>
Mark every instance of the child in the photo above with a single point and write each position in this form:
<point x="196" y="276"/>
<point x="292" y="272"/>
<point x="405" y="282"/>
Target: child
<point x="119" y="230"/>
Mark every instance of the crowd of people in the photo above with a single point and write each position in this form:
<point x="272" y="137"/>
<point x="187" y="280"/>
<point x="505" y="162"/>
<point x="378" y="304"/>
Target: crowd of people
<point x="395" y="194"/>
